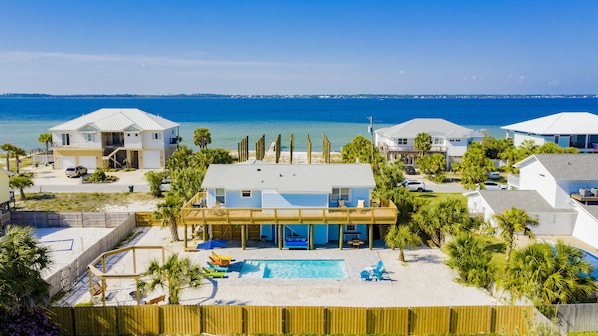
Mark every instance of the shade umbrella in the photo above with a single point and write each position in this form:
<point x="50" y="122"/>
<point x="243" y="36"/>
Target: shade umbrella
<point x="210" y="244"/>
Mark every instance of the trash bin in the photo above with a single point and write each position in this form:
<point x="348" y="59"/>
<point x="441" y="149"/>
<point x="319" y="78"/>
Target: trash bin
<point x="130" y="188"/>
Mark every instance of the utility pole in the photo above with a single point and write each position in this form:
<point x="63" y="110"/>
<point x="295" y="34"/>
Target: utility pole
<point x="371" y="131"/>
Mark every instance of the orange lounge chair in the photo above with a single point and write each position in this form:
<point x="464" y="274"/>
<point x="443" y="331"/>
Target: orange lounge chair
<point x="222" y="257"/>
<point x="219" y="262"/>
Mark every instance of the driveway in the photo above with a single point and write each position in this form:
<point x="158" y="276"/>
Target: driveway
<point x="447" y="187"/>
<point x="46" y="179"/>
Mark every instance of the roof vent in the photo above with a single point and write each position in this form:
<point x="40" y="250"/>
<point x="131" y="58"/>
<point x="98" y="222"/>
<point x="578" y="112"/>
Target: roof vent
<point x="280" y="175"/>
<point x="259" y="169"/>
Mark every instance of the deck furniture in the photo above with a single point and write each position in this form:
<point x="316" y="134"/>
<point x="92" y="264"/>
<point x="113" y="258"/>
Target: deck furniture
<point x="213" y="274"/>
<point x="355" y="242"/>
<point x="155" y="300"/>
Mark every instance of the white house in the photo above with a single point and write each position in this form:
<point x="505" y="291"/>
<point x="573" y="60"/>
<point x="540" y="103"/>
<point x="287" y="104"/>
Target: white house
<point x="567" y="129"/>
<point x="4" y="188"/>
<point x="452" y="140"/>
<point x="560" y="190"/>
<point x="117" y="135"/>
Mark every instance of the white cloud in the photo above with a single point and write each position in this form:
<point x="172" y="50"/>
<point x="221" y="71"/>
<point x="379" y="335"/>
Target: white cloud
<point x="24" y="56"/>
<point x="553" y="82"/>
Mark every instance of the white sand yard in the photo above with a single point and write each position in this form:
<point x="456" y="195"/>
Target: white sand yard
<point x="423" y="281"/>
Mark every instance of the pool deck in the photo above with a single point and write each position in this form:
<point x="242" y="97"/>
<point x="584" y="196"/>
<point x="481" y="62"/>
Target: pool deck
<point x="424" y="280"/>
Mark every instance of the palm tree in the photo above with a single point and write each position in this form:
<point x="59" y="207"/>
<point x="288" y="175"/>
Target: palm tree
<point x="154" y="180"/>
<point x="169" y="212"/>
<point x="512" y="221"/>
<point x="173" y="274"/>
<point x="453" y="216"/>
<point x="8" y="148"/>
<point x="16" y="152"/>
<point x="22" y="259"/>
<point x="422" y="143"/>
<point x="426" y="219"/>
<point x="45" y="138"/>
<point x="401" y="237"/>
<point x="469" y="256"/>
<point x="21" y="182"/>
<point x="202" y="137"/>
<point x="187" y="182"/>
<point x="548" y="274"/>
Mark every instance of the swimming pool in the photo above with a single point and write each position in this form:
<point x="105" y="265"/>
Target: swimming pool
<point x="294" y="269"/>
<point x="593" y="260"/>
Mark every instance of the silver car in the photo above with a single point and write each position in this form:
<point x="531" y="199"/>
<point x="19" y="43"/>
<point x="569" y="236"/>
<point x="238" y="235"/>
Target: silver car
<point x="412" y="185"/>
<point x="75" y="171"/>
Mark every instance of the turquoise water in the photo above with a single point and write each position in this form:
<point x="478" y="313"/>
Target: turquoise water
<point x="230" y="119"/>
<point x="294" y="269"/>
<point x="593" y="260"/>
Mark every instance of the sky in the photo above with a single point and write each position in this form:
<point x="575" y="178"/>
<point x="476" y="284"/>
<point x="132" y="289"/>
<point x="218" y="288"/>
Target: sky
<point x="299" y="47"/>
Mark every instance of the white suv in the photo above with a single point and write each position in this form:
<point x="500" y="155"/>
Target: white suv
<point x="414" y="185"/>
<point x="491" y="185"/>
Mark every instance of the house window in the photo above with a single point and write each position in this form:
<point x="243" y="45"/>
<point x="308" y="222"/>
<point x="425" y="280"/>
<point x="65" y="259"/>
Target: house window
<point x="89" y="137"/>
<point x="245" y="193"/>
<point x="156" y="136"/>
<point x="339" y="194"/>
<point x="219" y="193"/>
<point x="438" y="141"/>
<point x="401" y="141"/>
<point x="66" y="139"/>
<point x="350" y="227"/>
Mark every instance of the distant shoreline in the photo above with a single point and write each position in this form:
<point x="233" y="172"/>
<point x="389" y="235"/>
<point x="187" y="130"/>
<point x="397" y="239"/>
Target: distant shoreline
<point x="308" y="96"/>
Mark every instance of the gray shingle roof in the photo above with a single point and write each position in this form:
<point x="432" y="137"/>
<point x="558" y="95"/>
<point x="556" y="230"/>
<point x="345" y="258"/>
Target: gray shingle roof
<point x="528" y="200"/>
<point x="567" y="167"/>
<point x="117" y="119"/>
<point x="436" y="127"/>
<point x="286" y="178"/>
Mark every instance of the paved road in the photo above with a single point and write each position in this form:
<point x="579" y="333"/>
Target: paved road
<point x="49" y="180"/>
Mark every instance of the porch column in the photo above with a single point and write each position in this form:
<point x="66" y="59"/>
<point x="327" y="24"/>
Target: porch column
<point x="243" y="236"/>
<point x="341" y="237"/>
<point x="311" y="236"/>
<point x="185" y="235"/>
<point x="280" y="236"/>
<point x="371" y="235"/>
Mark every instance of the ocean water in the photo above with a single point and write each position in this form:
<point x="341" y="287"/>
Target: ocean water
<point x="230" y="119"/>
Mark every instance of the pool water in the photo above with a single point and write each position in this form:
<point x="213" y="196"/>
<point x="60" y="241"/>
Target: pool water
<point x="593" y="260"/>
<point x="294" y="269"/>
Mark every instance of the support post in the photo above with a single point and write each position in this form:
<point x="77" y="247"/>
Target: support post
<point x="371" y="235"/>
<point x="311" y="236"/>
<point x="341" y="236"/>
<point x="243" y="236"/>
<point x="280" y="236"/>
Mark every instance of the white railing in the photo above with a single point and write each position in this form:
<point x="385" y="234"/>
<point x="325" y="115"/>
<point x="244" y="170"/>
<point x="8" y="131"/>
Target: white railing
<point x="513" y="181"/>
<point x="387" y="148"/>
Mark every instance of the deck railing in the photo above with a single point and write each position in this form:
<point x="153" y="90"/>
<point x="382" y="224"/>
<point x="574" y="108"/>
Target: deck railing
<point x="386" y="213"/>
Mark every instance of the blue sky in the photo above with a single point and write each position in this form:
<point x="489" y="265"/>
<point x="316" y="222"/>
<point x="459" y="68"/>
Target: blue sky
<point x="299" y="47"/>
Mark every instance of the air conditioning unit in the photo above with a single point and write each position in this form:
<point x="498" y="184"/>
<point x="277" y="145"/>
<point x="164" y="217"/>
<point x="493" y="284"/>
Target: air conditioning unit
<point x="585" y="192"/>
<point x="594" y="191"/>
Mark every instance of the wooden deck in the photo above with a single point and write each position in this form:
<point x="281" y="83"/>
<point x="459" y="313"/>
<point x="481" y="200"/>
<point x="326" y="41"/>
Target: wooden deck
<point x="385" y="214"/>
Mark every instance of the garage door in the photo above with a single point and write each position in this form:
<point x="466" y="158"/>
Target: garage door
<point x="151" y="160"/>
<point x="66" y="161"/>
<point x="88" y="162"/>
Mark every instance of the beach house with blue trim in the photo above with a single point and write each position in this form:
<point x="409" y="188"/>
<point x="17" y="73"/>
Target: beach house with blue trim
<point x="314" y="203"/>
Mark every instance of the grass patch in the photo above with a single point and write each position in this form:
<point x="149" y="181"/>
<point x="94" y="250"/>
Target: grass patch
<point x="434" y="198"/>
<point x="79" y="202"/>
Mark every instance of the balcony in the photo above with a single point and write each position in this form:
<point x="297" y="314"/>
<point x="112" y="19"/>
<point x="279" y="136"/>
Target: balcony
<point x="386" y="213"/>
<point x="404" y="148"/>
<point x="513" y="181"/>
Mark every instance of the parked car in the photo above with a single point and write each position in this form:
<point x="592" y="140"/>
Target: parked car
<point x="494" y="175"/>
<point x="412" y="185"/>
<point x="491" y="185"/>
<point x="75" y="171"/>
<point x="410" y="170"/>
